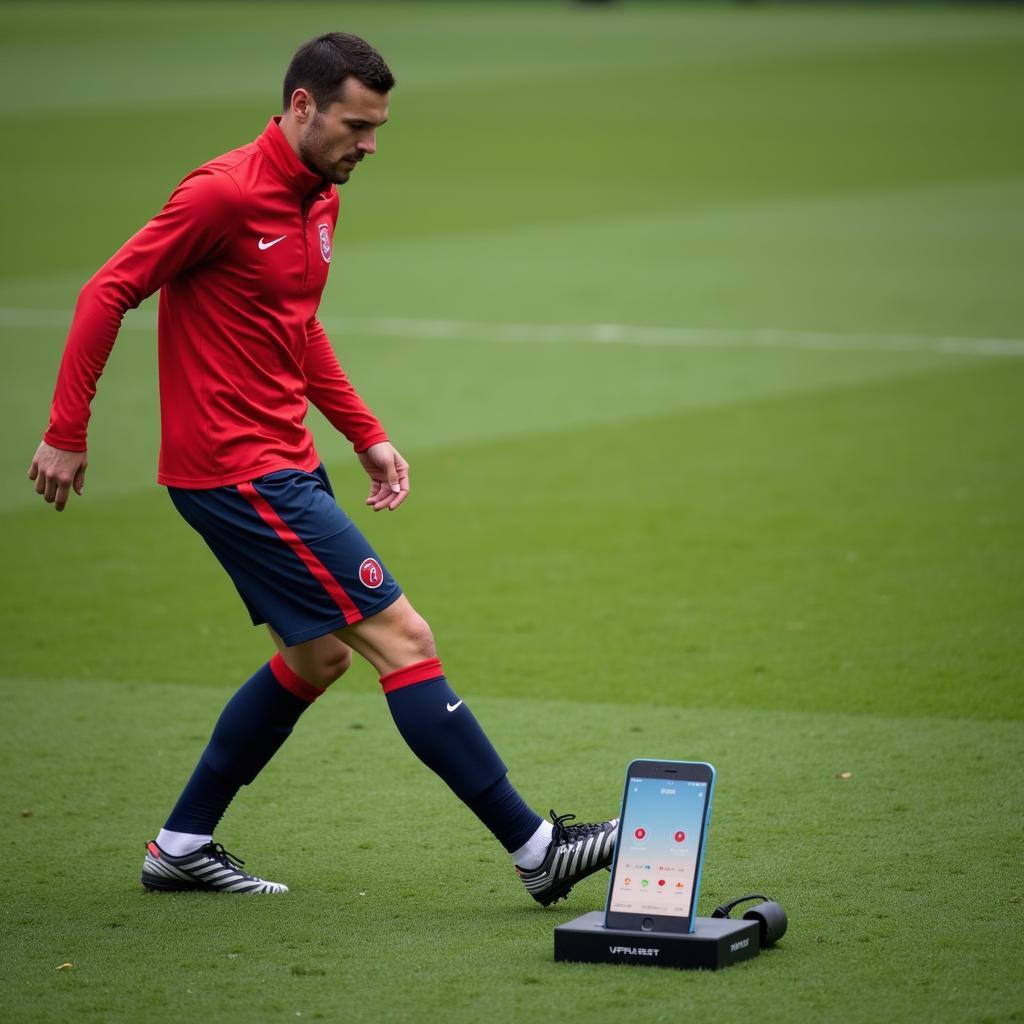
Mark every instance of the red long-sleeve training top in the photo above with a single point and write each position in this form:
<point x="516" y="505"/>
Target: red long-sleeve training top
<point x="240" y="252"/>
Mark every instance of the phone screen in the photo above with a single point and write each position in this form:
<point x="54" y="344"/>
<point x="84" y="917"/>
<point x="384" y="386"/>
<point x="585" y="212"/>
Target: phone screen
<point x="658" y="859"/>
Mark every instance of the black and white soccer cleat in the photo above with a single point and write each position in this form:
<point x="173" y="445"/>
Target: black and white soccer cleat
<point x="575" y="852"/>
<point x="210" y="869"/>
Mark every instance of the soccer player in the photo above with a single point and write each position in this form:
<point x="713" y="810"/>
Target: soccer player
<point x="240" y="254"/>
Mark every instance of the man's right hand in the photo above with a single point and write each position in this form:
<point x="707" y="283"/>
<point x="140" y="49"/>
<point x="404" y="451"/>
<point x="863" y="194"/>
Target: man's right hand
<point x="55" y="471"/>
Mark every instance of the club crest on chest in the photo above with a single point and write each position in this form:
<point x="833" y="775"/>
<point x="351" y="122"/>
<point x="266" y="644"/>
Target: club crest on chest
<point x="325" y="242"/>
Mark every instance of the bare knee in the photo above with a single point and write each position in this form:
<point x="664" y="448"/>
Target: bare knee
<point x="417" y="636"/>
<point x="320" y="663"/>
<point x="392" y="639"/>
<point x="333" y="666"/>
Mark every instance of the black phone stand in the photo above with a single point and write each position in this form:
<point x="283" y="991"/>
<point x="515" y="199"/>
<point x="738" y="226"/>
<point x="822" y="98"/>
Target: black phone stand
<point x="715" y="942"/>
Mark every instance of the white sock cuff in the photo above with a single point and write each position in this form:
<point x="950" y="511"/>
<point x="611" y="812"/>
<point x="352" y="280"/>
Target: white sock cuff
<point x="531" y="854"/>
<point x="177" y="844"/>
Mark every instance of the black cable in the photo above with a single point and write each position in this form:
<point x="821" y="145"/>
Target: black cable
<point x="726" y="908"/>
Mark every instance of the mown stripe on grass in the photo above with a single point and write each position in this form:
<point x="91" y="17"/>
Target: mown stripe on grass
<point x="601" y="334"/>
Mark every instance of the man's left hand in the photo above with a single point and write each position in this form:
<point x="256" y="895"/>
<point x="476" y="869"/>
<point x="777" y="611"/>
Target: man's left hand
<point x="389" y="476"/>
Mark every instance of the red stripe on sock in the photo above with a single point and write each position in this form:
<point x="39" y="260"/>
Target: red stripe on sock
<point x="418" y="672"/>
<point x="294" y="684"/>
<point x="312" y="563"/>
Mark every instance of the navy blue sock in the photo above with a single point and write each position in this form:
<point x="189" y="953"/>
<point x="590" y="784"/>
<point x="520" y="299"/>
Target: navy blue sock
<point x="203" y="802"/>
<point x="442" y="732"/>
<point x="506" y="814"/>
<point x="251" y="728"/>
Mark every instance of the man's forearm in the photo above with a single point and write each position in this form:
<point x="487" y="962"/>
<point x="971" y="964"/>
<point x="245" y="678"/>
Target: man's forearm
<point x="330" y="390"/>
<point x="101" y="305"/>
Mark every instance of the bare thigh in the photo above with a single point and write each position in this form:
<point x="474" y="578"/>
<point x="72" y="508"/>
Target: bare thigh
<point x="392" y="639"/>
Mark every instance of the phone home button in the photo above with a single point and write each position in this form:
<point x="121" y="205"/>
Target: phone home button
<point x="647" y="924"/>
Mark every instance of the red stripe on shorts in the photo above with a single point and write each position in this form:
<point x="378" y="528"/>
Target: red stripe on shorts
<point x="312" y="563"/>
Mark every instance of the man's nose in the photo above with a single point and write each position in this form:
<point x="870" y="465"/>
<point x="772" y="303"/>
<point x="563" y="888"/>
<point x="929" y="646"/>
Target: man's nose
<point x="368" y="145"/>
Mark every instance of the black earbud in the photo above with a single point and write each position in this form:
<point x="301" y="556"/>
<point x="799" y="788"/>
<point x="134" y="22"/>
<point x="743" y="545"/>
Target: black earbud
<point x="770" y="917"/>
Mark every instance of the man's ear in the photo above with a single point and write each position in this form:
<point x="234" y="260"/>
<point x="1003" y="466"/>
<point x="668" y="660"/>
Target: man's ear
<point x="302" y="106"/>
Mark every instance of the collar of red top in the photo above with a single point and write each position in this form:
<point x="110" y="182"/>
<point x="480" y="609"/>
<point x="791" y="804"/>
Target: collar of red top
<point x="285" y="161"/>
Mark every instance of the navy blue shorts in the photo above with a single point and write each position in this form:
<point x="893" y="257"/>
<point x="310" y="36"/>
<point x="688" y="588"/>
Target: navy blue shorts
<point x="299" y="563"/>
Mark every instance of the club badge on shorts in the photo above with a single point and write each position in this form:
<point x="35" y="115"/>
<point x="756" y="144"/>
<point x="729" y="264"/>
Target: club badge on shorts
<point x="371" y="574"/>
<point x="325" y="242"/>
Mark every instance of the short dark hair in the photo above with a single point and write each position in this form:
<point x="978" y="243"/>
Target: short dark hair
<point x="323" y="64"/>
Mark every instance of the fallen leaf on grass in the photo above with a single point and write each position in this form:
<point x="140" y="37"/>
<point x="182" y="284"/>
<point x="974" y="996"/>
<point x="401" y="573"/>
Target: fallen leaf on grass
<point x="64" y="967"/>
<point x="844" y="775"/>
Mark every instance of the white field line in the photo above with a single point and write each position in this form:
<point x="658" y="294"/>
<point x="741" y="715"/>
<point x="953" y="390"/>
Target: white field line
<point x="601" y="334"/>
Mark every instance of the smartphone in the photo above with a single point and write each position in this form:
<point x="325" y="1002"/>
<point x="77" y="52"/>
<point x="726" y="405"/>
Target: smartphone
<point x="663" y="828"/>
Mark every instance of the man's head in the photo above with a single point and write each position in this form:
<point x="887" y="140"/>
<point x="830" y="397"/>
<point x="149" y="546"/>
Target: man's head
<point x="335" y="97"/>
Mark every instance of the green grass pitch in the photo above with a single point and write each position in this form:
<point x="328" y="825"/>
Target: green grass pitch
<point x="770" y="514"/>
